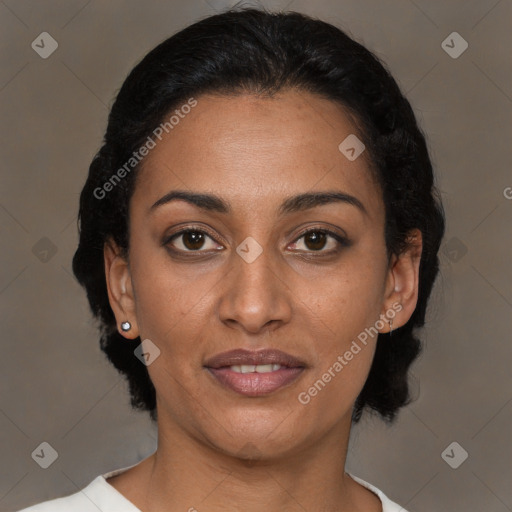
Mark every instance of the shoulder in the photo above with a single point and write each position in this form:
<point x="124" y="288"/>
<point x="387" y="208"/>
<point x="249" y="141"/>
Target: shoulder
<point x="98" y="495"/>
<point x="78" y="502"/>
<point x="387" y="504"/>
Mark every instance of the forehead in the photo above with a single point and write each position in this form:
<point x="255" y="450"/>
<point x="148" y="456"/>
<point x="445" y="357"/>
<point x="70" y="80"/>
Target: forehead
<point x="253" y="150"/>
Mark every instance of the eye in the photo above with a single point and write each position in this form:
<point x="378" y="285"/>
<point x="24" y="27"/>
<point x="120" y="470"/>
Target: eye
<point x="191" y="240"/>
<point x="198" y="240"/>
<point x="316" y="240"/>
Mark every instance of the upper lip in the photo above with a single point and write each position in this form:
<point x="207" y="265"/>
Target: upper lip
<point x="249" y="357"/>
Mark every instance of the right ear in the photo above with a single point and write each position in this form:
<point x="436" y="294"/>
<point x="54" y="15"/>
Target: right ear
<point x="120" y="289"/>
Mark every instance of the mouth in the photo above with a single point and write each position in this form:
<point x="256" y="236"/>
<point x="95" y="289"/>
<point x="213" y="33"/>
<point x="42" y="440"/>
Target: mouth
<point x="252" y="373"/>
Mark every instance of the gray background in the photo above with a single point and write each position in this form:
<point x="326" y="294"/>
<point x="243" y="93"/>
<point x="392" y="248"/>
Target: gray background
<point x="57" y="386"/>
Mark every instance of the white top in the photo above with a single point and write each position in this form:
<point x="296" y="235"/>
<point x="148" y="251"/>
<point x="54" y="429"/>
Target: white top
<point x="100" y="495"/>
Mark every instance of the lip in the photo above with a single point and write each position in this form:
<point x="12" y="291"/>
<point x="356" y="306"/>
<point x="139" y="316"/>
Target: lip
<point x="242" y="356"/>
<point x="255" y="384"/>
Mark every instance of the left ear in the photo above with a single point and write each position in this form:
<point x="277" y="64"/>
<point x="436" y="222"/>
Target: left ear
<point x="401" y="293"/>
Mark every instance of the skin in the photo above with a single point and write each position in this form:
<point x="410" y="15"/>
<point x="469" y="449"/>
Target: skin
<point x="217" y="447"/>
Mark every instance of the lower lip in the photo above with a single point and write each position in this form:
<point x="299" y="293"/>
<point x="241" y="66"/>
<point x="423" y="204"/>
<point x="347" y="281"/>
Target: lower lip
<point x="255" y="384"/>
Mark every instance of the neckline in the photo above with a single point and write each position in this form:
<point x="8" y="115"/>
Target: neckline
<point x="121" y="498"/>
<point x="102" y="479"/>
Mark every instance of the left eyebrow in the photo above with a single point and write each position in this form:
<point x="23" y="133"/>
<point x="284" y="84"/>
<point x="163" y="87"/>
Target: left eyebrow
<point x="301" y="202"/>
<point x="311" y="200"/>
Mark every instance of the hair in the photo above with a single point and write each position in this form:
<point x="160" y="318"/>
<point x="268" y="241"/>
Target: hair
<point x="246" y="50"/>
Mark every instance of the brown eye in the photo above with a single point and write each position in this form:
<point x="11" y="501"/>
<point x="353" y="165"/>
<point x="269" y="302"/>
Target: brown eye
<point x="191" y="240"/>
<point x="315" y="240"/>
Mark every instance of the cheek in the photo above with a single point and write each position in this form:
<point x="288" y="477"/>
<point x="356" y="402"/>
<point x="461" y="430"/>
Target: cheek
<point x="342" y="309"/>
<point x="171" y="310"/>
<point x="342" y="327"/>
<point x="170" y="301"/>
<point x="346" y="299"/>
<point x="343" y="338"/>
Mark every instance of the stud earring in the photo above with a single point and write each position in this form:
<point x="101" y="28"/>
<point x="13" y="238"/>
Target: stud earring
<point x="126" y="326"/>
<point x="390" y="326"/>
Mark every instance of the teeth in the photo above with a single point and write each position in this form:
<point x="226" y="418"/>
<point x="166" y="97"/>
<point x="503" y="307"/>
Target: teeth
<point x="251" y="368"/>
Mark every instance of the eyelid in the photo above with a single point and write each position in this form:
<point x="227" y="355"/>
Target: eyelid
<point x="323" y="229"/>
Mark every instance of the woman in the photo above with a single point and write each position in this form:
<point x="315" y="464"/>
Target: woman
<point x="258" y="238"/>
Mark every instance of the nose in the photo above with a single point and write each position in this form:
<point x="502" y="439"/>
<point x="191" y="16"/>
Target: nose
<point x="255" y="296"/>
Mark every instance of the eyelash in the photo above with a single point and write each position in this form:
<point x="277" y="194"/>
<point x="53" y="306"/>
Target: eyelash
<point x="342" y="241"/>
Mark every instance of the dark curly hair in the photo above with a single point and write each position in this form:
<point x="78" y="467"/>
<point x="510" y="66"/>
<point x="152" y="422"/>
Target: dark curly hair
<point x="250" y="50"/>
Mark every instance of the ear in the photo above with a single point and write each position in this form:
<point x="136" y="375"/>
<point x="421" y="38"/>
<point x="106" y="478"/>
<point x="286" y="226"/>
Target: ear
<point x="401" y="291"/>
<point x="120" y="289"/>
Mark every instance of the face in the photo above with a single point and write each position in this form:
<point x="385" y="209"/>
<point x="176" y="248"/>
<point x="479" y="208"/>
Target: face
<point x="254" y="268"/>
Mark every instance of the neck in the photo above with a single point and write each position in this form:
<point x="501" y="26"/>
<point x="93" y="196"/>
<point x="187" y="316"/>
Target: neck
<point x="189" y="474"/>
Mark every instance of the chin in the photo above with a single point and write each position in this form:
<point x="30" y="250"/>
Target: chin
<point x="256" y="435"/>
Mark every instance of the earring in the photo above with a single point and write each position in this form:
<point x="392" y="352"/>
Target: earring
<point x="126" y="326"/>
<point x="390" y="326"/>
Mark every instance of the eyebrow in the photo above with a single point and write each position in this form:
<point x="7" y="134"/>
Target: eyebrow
<point x="301" y="202"/>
